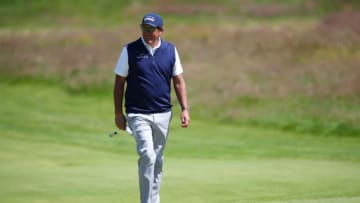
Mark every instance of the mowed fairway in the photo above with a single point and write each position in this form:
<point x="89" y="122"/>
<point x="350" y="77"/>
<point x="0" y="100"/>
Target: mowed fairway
<point x="46" y="172"/>
<point x="54" y="148"/>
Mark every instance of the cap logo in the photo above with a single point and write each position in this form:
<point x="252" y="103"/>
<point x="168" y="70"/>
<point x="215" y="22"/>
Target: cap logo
<point x="149" y="18"/>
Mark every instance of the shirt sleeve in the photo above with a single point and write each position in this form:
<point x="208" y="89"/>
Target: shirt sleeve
<point x="177" y="69"/>
<point x="122" y="66"/>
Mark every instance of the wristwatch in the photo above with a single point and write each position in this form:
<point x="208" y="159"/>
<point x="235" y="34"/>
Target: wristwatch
<point x="185" y="108"/>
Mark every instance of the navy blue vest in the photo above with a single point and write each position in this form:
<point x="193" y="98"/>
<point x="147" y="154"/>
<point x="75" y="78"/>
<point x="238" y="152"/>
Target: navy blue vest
<point x="148" y="82"/>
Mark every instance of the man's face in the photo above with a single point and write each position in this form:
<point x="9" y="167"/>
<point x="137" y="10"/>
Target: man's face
<point x="150" y="34"/>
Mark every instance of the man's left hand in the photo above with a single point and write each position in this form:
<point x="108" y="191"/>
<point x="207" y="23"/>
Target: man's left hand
<point x="185" y="118"/>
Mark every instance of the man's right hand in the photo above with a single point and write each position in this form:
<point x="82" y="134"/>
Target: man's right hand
<point x="120" y="121"/>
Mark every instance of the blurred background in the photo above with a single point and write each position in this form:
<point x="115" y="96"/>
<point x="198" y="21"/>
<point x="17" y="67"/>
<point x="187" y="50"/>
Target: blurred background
<point x="272" y="84"/>
<point x="292" y="65"/>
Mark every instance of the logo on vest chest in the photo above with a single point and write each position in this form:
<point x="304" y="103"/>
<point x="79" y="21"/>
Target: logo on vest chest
<point x="142" y="56"/>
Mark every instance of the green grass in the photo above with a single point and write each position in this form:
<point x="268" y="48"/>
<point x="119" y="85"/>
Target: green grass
<point x="50" y="13"/>
<point x="319" y="116"/>
<point x="54" y="148"/>
<point x="22" y="14"/>
<point x="50" y="172"/>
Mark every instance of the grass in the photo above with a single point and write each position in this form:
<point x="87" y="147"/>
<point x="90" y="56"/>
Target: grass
<point x="54" y="148"/>
<point x="297" y="74"/>
<point x="283" y="85"/>
<point x="275" y="108"/>
<point x="22" y="14"/>
<point x="49" y="172"/>
<point x="55" y="111"/>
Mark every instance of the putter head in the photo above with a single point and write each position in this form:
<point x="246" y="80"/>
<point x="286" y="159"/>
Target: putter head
<point x="112" y="134"/>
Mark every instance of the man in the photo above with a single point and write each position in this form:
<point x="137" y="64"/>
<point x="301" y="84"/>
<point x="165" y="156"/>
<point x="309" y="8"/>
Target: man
<point x="147" y="66"/>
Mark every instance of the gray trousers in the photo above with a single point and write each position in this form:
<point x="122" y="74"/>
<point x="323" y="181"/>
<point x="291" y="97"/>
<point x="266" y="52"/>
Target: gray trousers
<point x="150" y="132"/>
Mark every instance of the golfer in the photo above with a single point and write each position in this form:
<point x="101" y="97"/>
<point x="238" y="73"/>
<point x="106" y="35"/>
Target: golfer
<point x="147" y="67"/>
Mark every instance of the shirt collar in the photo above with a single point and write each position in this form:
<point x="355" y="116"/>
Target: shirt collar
<point x="148" y="47"/>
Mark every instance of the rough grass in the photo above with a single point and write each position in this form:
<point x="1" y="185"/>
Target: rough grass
<point x="261" y="61"/>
